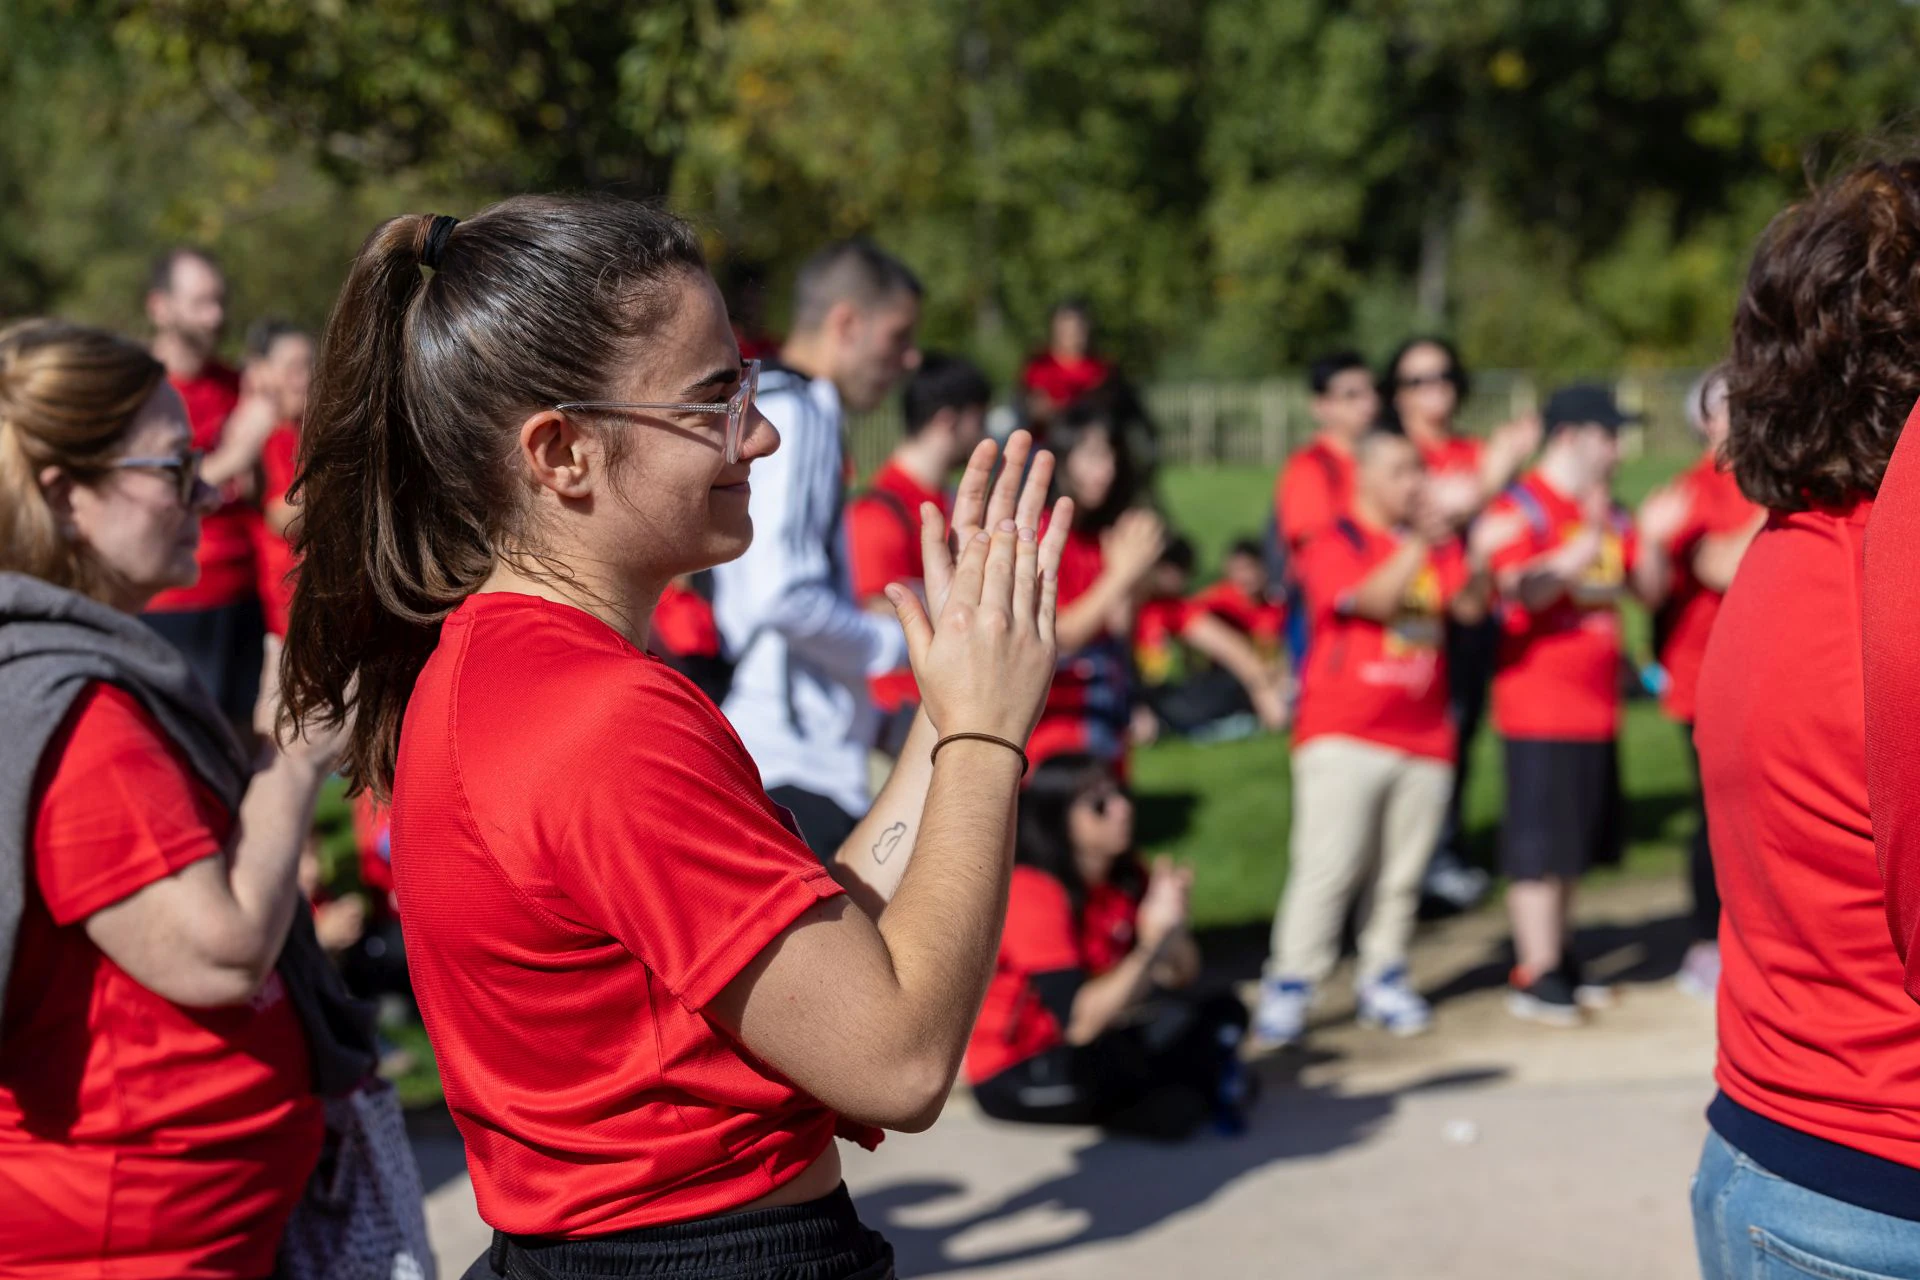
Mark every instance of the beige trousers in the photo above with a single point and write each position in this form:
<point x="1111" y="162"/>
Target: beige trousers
<point x="1358" y="809"/>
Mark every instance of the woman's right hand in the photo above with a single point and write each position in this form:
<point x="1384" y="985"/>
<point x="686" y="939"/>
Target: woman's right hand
<point x="985" y="664"/>
<point x="1134" y="544"/>
<point x="1165" y="908"/>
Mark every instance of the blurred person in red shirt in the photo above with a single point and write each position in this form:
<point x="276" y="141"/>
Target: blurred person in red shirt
<point x="1067" y="369"/>
<point x="1113" y="545"/>
<point x="1241" y="598"/>
<point x="944" y="407"/>
<point x="1200" y="675"/>
<point x="1700" y="557"/>
<point x="157" y="1108"/>
<point x="1373" y="743"/>
<point x="1087" y="1019"/>
<point x="217" y="622"/>
<point x="1423" y="387"/>
<point x="278" y="370"/>
<point x="1805" y="726"/>
<point x="688" y="639"/>
<point x="1564" y="554"/>
<point x="1315" y="488"/>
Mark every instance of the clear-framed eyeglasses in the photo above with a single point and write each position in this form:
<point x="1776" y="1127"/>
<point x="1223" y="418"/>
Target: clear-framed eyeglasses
<point x="735" y="407"/>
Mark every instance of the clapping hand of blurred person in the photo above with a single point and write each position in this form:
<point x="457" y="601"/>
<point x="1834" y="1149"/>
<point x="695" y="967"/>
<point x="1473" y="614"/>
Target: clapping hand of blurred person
<point x="1663" y="515"/>
<point x="1434" y="519"/>
<point x="1166" y="912"/>
<point x="244" y="437"/>
<point x="1455" y="497"/>
<point x="1508" y="447"/>
<point x="1134" y="545"/>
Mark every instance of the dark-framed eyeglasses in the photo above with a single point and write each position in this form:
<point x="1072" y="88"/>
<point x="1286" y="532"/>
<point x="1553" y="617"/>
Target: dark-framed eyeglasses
<point x="735" y="407"/>
<point x="183" y="467"/>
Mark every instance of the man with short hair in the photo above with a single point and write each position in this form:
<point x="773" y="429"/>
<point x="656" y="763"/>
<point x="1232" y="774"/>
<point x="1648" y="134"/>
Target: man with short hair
<point x="1316" y="485"/>
<point x="1373" y="740"/>
<point x="1563" y="553"/>
<point x="217" y="622"/>
<point x="944" y="408"/>
<point x="803" y="649"/>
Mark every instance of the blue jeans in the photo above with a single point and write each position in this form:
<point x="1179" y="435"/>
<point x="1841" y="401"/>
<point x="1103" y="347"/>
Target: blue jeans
<point x="1750" y="1225"/>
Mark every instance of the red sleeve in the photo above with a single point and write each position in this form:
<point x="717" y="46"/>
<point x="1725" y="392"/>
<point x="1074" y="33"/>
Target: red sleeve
<point x="1329" y="569"/>
<point x="120" y="808"/>
<point x="278" y="461"/>
<point x="1039" y="936"/>
<point x="673" y="847"/>
<point x="1307" y="503"/>
<point x="1450" y="566"/>
<point x="881" y="547"/>
<point x="1890" y="618"/>
<point x="1523" y="546"/>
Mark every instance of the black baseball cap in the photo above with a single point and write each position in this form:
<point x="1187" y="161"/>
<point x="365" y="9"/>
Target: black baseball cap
<point x="1584" y="402"/>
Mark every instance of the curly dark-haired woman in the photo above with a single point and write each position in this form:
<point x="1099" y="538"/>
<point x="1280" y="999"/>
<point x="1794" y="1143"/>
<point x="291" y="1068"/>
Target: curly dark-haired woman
<point x="1813" y="1165"/>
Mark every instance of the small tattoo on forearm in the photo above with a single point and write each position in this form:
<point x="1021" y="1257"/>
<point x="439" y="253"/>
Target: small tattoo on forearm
<point x="889" y="841"/>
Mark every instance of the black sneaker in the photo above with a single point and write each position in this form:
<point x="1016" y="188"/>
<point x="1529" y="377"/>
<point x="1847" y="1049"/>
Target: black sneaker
<point x="1588" y="995"/>
<point x="1548" y="999"/>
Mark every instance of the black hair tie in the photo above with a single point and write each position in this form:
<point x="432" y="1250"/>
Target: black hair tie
<point x="437" y="236"/>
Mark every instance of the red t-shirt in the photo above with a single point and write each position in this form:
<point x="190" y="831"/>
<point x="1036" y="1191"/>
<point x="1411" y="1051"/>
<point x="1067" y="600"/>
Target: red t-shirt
<point x="1891" y="614"/>
<point x="273" y="554"/>
<point x="683" y="624"/>
<point x="584" y="858"/>
<point x="883" y="535"/>
<point x="1558" y="672"/>
<point x="1087" y="705"/>
<point x="1042" y="935"/>
<point x="1455" y="455"/>
<point x="138" y="1138"/>
<point x="1263" y="622"/>
<point x="1062" y="382"/>
<point x="1380" y="683"/>
<point x="1314" y="490"/>
<point x="1718" y="507"/>
<point x="225" y="554"/>
<point x="1815" y="1030"/>
<point x="1157" y="628"/>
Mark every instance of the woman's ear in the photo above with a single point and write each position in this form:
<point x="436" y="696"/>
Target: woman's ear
<point x="57" y="487"/>
<point x="559" y="455"/>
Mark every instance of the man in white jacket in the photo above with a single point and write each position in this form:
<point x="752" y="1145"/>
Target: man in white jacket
<point x="803" y="648"/>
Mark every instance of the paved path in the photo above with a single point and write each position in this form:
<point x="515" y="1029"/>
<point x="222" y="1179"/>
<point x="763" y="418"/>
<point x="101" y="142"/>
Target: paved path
<point x="1488" y="1148"/>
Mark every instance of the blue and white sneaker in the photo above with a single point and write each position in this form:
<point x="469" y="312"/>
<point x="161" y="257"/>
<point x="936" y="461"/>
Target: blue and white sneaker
<point x="1390" y="1003"/>
<point x="1281" y="1018"/>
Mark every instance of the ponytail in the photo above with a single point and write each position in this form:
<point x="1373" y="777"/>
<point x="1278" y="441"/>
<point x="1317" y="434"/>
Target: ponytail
<point x="406" y="486"/>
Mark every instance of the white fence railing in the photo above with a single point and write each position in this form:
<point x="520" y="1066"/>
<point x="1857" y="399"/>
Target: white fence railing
<point x="1258" y="423"/>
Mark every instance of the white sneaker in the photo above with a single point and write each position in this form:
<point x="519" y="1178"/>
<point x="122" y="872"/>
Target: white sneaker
<point x="1390" y="1003"/>
<point x="1699" y="974"/>
<point x="1281" y="1018"/>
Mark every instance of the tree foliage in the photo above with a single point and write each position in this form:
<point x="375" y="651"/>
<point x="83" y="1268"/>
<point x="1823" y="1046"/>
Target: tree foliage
<point x="1234" y="184"/>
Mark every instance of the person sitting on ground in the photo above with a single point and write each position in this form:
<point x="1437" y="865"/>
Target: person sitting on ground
<point x="1374" y="745"/>
<point x="1112" y="547"/>
<point x="278" y="370"/>
<point x="1230" y="691"/>
<point x="1703" y="553"/>
<point x="1067" y="370"/>
<point x="1564" y="554"/>
<point x="944" y="408"/>
<point x="1805" y="726"/>
<point x="1242" y="599"/>
<point x="1082" y="1022"/>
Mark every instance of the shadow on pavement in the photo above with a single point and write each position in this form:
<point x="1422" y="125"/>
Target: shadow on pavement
<point x="1644" y="952"/>
<point x="1122" y="1186"/>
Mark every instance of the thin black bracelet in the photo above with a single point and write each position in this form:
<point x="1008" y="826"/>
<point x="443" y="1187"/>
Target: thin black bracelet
<point x="981" y="737"/>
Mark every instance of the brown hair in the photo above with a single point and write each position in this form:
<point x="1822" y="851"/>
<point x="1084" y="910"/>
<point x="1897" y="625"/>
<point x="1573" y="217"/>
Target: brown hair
<point x="1826" y="341"/>
<point x="407" y="490"/>
<point x="68" y="397"/>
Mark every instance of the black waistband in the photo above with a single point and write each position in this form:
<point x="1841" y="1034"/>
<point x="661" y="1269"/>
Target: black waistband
<point x="1852" y="1177"/>
<point x="820" y="1240"/>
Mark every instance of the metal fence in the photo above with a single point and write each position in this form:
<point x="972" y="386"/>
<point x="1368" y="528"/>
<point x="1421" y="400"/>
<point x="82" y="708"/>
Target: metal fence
<point x="1258" y="423"/>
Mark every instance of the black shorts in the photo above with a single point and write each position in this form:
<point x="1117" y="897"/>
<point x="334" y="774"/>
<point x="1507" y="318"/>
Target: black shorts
<point x="1564" y="810"/>
<point x="224" y="646"/>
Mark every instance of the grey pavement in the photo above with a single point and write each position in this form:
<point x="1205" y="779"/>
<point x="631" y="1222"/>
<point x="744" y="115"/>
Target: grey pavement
<point x="1488" y="1148"/>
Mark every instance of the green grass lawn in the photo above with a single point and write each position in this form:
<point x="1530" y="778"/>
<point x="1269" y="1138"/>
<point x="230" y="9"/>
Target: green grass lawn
<point x="1224" y="806"/>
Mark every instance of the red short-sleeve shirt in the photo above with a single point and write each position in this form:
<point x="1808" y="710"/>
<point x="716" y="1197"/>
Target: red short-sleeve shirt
<point x="1558" y="672"/>
<point x="1315" y="489"/>
<point x="1086" y="705"/>
<point x="1043" y="935"/>
<point x="1064" y="381"/>
<point x="1815" y="1030"/>
<point x="1891" y="616"/>
<point x="1455" y="455"/>
<point x="1381" y="683"/>
<point x="1264" y="622"/>
<point x="584" y="858"/>
<point x="273" y="554"/>
<point x="138" y="1138"/>
<point x="225" y="554"/>
<point x="1717" y="507"/>
<point x="883" y="538"/>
